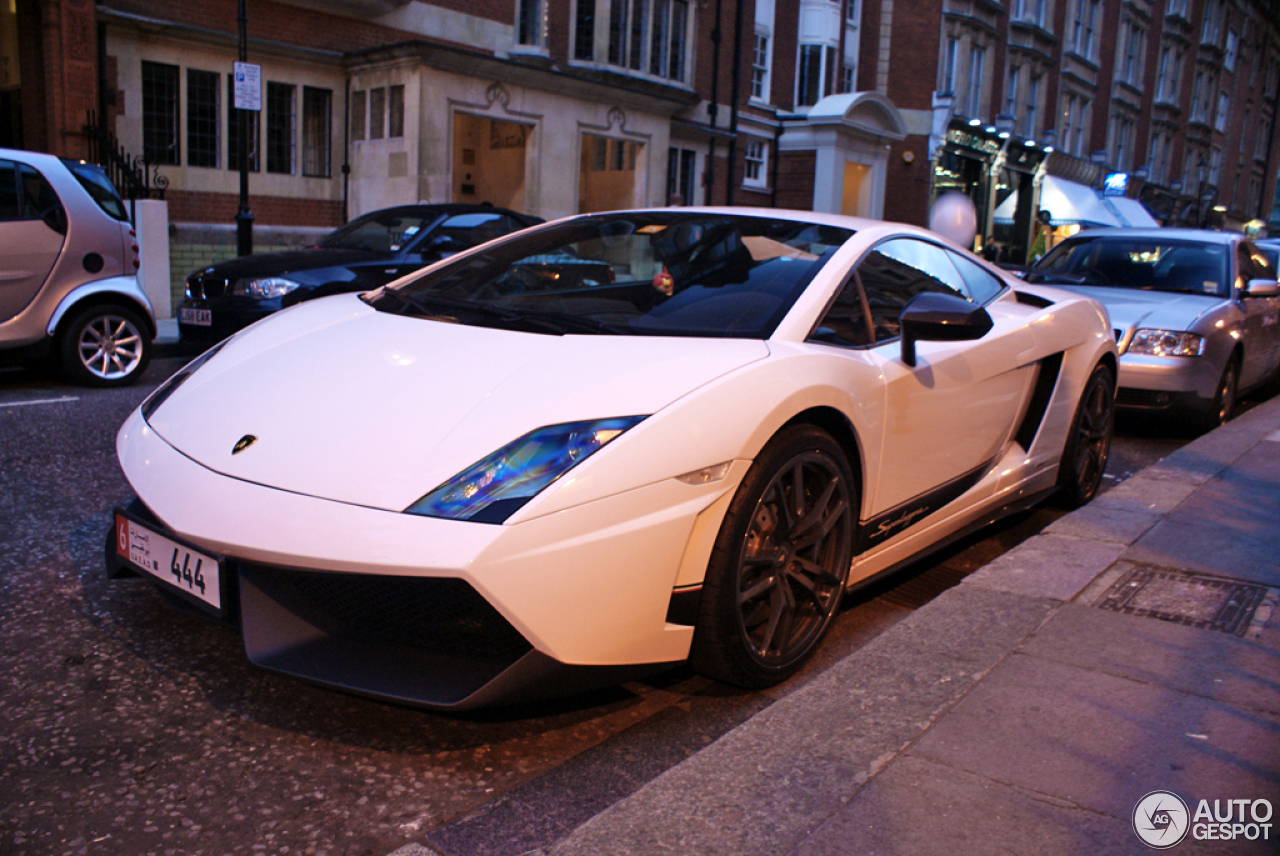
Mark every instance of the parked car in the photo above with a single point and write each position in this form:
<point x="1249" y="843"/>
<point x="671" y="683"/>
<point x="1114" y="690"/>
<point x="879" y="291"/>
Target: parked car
<point x="1195" y="313"/>
<point x="69" y="288"/>
<point x="485" y="482"/>
<point x="368" y="252"/>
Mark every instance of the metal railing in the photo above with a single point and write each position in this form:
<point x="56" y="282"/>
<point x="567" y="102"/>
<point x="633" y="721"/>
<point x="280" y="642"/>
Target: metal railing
<point x="133" y="176"/>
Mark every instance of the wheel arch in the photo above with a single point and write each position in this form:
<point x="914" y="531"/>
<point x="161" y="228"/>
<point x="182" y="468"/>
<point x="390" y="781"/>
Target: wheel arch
<point x="77" y="302"/>
<point x="836" y="424"/>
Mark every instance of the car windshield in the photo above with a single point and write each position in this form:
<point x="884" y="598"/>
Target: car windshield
<point x="380" y="232"/>
<point x="99" y="187"/>
<point x="1146" y="263"/>
<point x="667" y="273"/>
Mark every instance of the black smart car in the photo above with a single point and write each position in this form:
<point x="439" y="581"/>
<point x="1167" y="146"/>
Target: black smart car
<point x="368" y="252"/>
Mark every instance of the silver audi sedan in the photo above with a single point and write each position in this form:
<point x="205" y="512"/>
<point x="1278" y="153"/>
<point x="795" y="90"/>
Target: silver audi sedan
<point x="1195" y="314"/>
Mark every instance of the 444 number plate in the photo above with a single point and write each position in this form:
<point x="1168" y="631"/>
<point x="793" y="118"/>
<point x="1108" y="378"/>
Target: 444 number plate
<point x="193" y="573"/>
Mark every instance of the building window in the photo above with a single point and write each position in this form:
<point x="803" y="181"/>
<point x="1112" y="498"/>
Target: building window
<point x="1169" y="75"/>
<point x="846" y="78"/>
<point x="644" y="35"/>
<point x="282" y="116"/>
<point x="240" y="121"/>
<point x="358" y="116"/>
<point x="1011" y="91"/>
<point x="760" y="68"/>
<point x="584" y="31"/>
<point x="377" y="113"/>
<point x="160" y="113"/>
<point x="1083" y="41"/>
<point x="755" y="163"/>
<point x="1032" y="116"/>
<point x="1030" y="11"/>
<point x="1212" y="22"/>
<point x="809" y="75"/>
<point x="203" y="119"/>
<point x="948" y="81"/>
<point x="1129" y="59"/>
<point x="973" y="102"/>
<point x="1121" y="143"/>
<point x="1233" y="50"/>
<point x="681" y="176"/>
<point x="395" y="111"/>
<point x="1156" y="155"/>
<point x="531" y="23"/>
<point x="1075" y="118"/>
<point x="1224" y="111"/>
<point x="1199" y="99"/>
<point x="317" y="122"/>
<point x="853" y="12"/>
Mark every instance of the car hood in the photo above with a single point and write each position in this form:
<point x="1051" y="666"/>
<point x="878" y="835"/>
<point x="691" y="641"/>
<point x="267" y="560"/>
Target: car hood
<point x="293" y="261"/>
<point x="1161" y="310"/>
<point x="375" y="409"/>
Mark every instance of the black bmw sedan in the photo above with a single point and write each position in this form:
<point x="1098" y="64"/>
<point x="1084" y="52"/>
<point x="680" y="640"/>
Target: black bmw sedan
<point x="368" y="252"/>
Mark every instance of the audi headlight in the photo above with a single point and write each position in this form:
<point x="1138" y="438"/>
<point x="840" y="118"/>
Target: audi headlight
<point x="1166" y="343"/>
<point x="491" y="490"/>
<point x="264" y="288"/>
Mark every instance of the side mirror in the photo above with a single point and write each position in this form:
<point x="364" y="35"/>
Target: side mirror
<point x="936" y="317"/>
<point x="1262" y="288"/>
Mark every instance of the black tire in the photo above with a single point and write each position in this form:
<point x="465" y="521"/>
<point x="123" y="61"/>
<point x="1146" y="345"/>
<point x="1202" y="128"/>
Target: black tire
<point x="1084" y="458"/>
<point x="105" y="345"/>
<point x="780" y="563"/>
<point x="1219" y="410"/>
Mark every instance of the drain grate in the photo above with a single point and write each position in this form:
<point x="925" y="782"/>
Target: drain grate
<point x="1212" y="603"/>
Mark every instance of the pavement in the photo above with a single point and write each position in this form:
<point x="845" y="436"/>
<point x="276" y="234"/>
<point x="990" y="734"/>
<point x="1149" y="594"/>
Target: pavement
<point x="1116" y="675"/>
<point x="166" y="342"/>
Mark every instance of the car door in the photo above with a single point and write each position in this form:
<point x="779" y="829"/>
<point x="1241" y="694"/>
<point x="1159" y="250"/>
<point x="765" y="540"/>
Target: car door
<point x="1262" y="316"/>
<point x="950" y="416"/>
<point x="29" y="245"/>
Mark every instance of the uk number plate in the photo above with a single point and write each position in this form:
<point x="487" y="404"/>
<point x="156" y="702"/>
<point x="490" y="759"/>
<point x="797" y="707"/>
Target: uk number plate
<point x="199" y="317"/>
<point x="192" y="572"/>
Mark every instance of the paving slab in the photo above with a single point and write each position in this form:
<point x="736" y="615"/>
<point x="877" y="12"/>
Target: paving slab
<point x="762" y="788"/>
<point x="918" y="807"/>
<point x="1101" y="741"/>
<point x="1244" y="673"/>
<point x="1053" y="566"/>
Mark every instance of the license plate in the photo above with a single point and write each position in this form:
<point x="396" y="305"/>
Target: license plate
<point x="199" y="317"/>
<point x="193" y="573"/>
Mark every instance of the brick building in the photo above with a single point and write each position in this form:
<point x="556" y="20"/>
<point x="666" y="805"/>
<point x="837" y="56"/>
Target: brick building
<point x="870" y="107"/>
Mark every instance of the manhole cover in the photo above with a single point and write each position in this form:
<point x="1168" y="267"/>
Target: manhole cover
<point x="1196" y="601"/>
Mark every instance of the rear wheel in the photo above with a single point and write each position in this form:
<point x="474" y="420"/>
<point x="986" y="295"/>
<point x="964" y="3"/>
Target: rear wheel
<point x="105" y="345"/>
<point x="780" y="562"/>
<point x="1084" y="459"/>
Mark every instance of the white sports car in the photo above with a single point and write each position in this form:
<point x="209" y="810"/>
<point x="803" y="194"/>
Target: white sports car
<point x="606" y="445"/>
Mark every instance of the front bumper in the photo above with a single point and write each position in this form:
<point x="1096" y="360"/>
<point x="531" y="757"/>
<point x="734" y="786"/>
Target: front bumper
<point x="1166" y="383"/>
<point x="228" y="316"/>
<point x="438" y="613"/>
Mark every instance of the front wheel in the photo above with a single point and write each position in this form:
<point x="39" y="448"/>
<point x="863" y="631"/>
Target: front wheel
<point x="1084" y="459"/>
<point x="1220" y="408"/>
<point x="105" y="345"/>
<point x="780" y="563"/>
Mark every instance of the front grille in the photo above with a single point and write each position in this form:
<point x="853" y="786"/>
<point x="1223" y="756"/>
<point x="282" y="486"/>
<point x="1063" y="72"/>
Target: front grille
<point x="202" y="286"/>
<point x="443" y="616"/>
<point x="1142" y="398"/>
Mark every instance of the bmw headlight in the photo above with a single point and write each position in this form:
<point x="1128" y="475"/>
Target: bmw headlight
<point x="265" y="288"/>
<point x="491" y="490"/>
<point x="1166" y="343"/>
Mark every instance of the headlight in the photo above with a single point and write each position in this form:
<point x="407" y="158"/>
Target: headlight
<point x="265" y="288"/>
<point x="491" y="490"/>
<point x="1166" y="343"/>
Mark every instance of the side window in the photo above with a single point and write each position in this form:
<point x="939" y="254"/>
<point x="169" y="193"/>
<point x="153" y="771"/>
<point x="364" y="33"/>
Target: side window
<point x="467" y="230"/>
<point x="898" y="270"/>
<point x="845" y="322"/>
<point x="9" y="207"/>
<point x="1253" y="263"/>
<point x="983" y="285"/>
<point x="39" y="199"/>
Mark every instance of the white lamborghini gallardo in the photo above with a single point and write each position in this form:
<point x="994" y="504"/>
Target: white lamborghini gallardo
<point x="607" y="444"/>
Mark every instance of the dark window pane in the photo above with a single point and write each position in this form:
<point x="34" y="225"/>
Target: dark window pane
<point x="639" y="21"/>
<point x="203" y="121"/>
<point x="357" y="115"/>
<point x="281" y="116"/>
<point x="659" y="42"/>
<point x="679" y="24"/>
<point x="9" y="208"/>
<point x="584" y="35"/>
<point x="235" y="118"/>
<point x="160" y="113"/>
<point x="617" y="32"/>
<point x="317" y="112"/>
<point x="37" y="194"/>
<point x="377" y="113"/>
<point x="395" y="112"/>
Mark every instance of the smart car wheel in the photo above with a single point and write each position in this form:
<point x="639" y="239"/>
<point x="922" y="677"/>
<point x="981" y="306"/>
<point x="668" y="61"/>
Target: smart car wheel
<point x="1084" y="459"/>
<point x="780" y="562"/>
<point x="105" y="345"/>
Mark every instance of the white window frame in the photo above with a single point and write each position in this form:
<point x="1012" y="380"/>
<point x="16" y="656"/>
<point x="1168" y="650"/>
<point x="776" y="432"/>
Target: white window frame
<point x="532" y="25"/>
<point x="973" y="95"/>
<point x="755" y="163"/>
<point x="761" y="63"/>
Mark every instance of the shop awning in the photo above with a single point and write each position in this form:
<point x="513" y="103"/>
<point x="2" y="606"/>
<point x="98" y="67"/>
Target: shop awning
<point x="1068" y="204"/>
<point x="1130" y="212"/>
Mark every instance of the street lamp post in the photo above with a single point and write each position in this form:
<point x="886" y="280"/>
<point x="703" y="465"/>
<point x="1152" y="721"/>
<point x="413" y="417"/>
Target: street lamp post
<point x="244" y="217"/>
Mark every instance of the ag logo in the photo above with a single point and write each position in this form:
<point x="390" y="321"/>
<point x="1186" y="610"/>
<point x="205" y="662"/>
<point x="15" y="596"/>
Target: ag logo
<point x="1161" y="820"/>
<point x="243" y="443"/>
